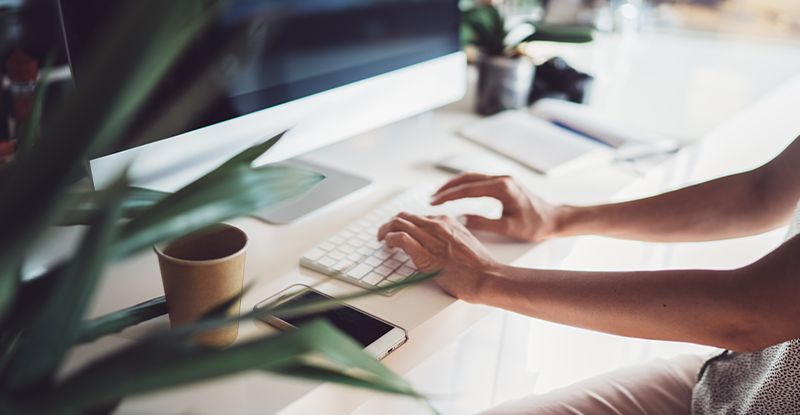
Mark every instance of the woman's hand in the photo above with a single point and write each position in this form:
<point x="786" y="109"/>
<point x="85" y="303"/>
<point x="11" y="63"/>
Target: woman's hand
<point x="442" y="243"/>
<point x="525" y="216"/>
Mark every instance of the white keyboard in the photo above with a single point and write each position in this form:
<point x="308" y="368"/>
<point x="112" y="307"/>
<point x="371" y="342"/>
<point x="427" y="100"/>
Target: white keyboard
<point x="355" y="255"/>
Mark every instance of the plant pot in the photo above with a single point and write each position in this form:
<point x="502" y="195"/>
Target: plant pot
<point x="503" y="83"/>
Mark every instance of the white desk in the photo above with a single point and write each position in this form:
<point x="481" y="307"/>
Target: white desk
<point x="393" y="158"/>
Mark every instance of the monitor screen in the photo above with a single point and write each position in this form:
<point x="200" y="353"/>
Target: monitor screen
<point x="262" y="53"/>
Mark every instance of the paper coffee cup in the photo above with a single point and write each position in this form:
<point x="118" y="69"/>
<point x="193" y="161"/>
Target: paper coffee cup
<point x="200" y="272"/>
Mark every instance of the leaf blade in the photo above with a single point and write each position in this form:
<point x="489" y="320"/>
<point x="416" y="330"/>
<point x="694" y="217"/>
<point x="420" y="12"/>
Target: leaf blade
<point x="30" y="196"/>
<point x="81" y="207"/>
<point x="231" y="190"/>
<point x="119" y="320"/>
<point x="560" y="33"/>
<point x="156" y="365"/>
<point x="45" y="344"/>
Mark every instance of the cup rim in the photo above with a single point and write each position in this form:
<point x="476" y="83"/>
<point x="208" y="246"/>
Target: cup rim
<point x="190" y="262"/>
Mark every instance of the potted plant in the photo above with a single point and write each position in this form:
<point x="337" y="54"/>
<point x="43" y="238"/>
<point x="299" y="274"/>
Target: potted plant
<point x="505" y="74"/>
<point x="42" y="316"/>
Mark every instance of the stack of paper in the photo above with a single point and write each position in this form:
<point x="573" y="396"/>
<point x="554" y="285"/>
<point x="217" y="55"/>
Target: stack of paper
<point x="558" y="137"/>
<point x="630" y="142"/>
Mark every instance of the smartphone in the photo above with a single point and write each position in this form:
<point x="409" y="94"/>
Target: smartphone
<point x="377" y="336"/>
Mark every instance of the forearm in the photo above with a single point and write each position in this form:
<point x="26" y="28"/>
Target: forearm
<point x="728" y="207"/>
<point x="745" y="309"/>
<point x="687" y="305"/>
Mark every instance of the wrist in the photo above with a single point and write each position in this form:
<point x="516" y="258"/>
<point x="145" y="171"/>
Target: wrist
<point x="501" y="288"/>
<point x="490" y="284"/>
<point x="566" y="221"/>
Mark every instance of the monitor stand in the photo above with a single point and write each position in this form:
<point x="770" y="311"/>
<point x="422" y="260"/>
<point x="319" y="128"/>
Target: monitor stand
<point x="336" y="185"/>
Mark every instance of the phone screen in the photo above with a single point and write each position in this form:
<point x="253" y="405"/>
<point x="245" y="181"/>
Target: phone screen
<point x="361" y="327"/>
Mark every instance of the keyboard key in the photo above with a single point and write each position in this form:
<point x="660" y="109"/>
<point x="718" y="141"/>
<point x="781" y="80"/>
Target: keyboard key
<point x="395" y="277"/>
<point x="383" y="270"/>
<point x="357" y="245"/>
<point x="347" y="248"/>
<point x="337" y="254"/>
<point x="392" y="263"/>
<point x="327" y="246"/>
<point x="382" y="255"/>
<point x="343" y="265"/>
<point x="327" y="261"/>
<point x="314" y="254"/>
<point x="365" y="250"/>
<point x="401" y="256"/>
<point x="373" y="261"/>
<point x="372" y="278"/>
<point x="355" y="242"/>
<point x="359" y="271"/>
<point x="405" y="270"/>
<point x="355" y="256"/>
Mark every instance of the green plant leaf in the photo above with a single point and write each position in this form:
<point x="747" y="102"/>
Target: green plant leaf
<point x="139" y="45"/>
<point x="487" y="26"/>
<point x="326" y="304"/>
<point x="183" y="334"/>
<point x="29" y="300"/>
<point x="30" y="128"/>
<point x="327" y="340"/>
<point x="328" y="375"/>
<point x="8" y="346"/>
<point x="8" y="292"/>
<point x="232" y="190"/>
<point x="166" y="28"/>
<point x="156" y="365"/>
<point x="560" y="33"/>
<point x="163" y="345"/>
<point x="179" y="110"/>
<point x="119" y="320"/>
<point x="186" y="332"/>
<point x="82" y="207"/>
<point x="45" y="343"/>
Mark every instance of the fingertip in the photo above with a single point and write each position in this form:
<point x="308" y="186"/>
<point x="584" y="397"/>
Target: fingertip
<point x="442" y="197"/>
<point x="395" y="239"/>
<point x="406" y="215"/>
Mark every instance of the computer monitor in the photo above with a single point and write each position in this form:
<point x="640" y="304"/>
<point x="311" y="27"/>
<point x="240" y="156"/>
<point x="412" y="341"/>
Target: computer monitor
<point x="325" y="70"/>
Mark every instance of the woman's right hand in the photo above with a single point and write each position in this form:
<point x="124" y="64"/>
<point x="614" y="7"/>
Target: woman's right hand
<point x="525" y="216"/>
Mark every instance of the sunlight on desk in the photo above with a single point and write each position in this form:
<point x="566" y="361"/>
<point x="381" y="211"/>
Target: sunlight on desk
<point x="714" y="88"/>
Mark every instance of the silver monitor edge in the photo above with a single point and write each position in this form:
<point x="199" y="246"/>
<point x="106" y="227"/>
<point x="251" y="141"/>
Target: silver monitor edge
<point x="312" y="121"/>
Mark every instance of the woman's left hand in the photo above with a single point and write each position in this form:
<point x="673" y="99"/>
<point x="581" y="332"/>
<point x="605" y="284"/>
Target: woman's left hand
<point x="442" y="243"/>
